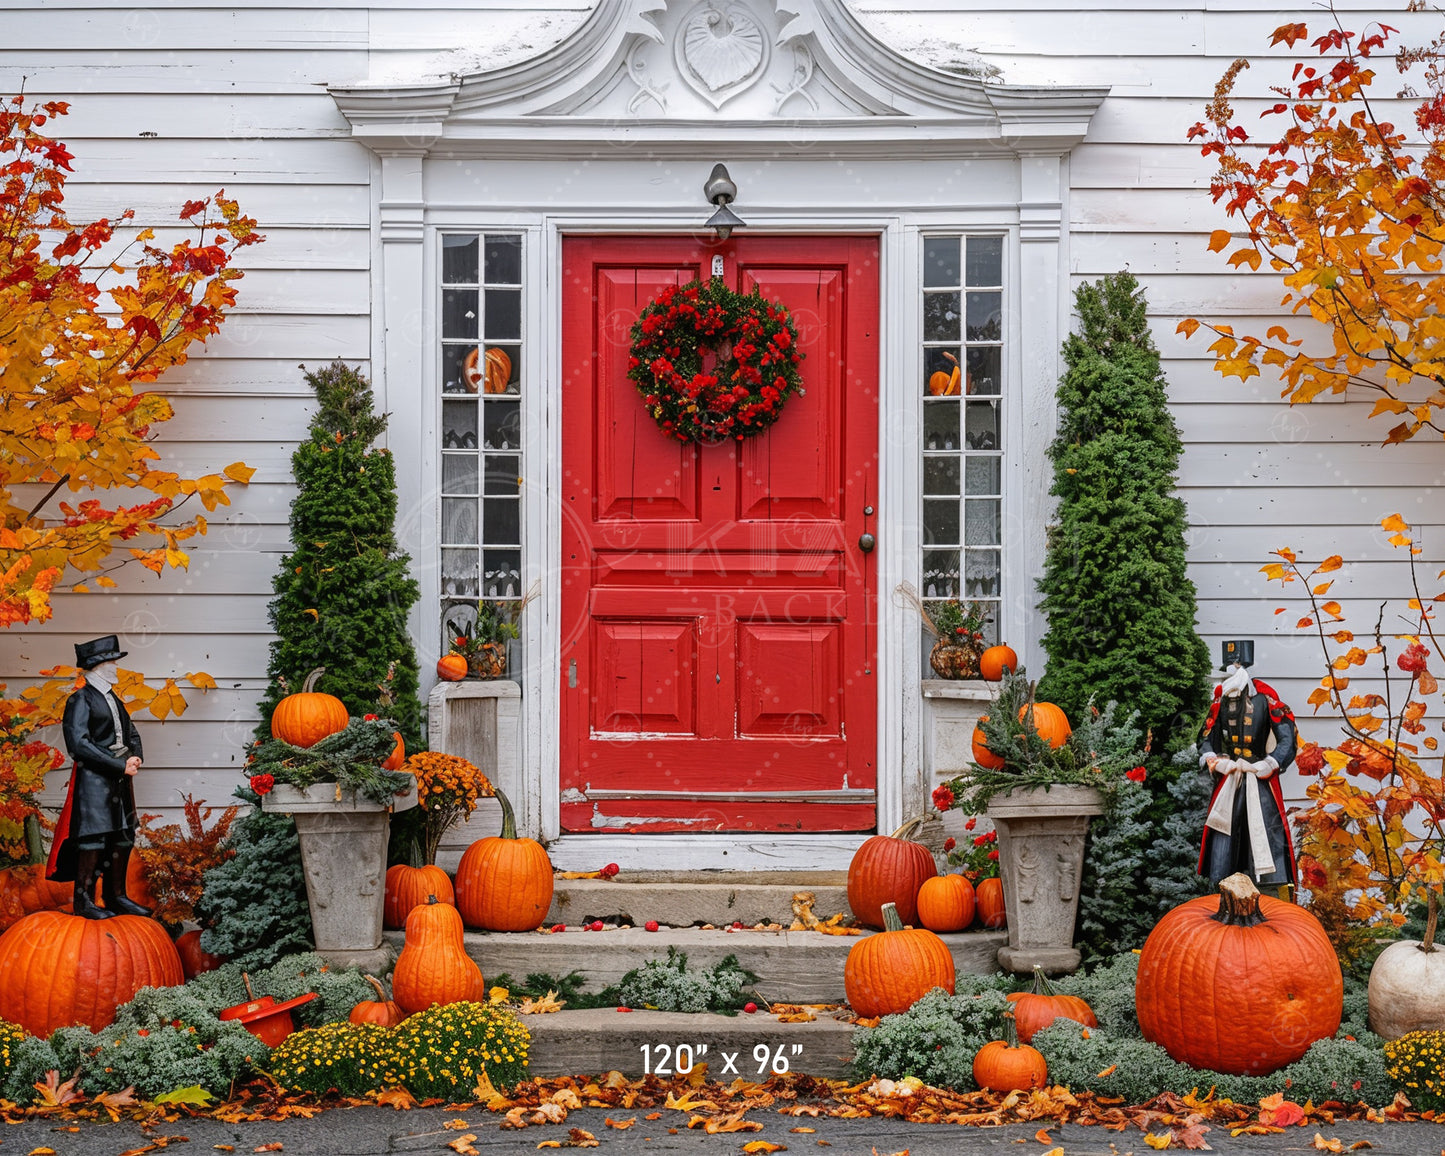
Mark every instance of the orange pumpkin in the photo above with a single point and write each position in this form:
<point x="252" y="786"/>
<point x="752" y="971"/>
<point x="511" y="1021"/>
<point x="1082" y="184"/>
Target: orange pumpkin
<point x="305" y="718"/>
<point x="1037" y="1009"/>
<point x="385" y="1012"/>
<point x="137" y="884"/>
<point x="981" y="754"/>
<point x="433" y="967"/>
<point x="988" y="898"/>
<point x="945" y="903"/>
<point x="888" y="869"/>
<point x="398" y="754"/>
<point x="195" y="960"/>
<point x="938" y="382"/>
<point x="1244" y="983"/>
<point x="504" y="883"/>
<point x="410" y="887"/>
<point x="995" y="660"/>
<point x="1008" y="1066"/>
<point x="887" y="973"/>
<point x="24" y="890"/>
<point x="62" y="969"/>
<point x="1050" y="721"/>
<point x="452" y="667"/>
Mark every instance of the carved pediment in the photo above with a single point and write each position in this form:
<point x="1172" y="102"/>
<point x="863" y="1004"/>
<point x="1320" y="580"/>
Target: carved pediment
<point x="682" y="70"/>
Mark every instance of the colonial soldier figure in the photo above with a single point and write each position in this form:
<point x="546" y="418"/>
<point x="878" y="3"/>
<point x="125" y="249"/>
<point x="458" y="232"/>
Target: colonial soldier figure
<point x="96" y="830"/>
<point x="1246" y="829"/>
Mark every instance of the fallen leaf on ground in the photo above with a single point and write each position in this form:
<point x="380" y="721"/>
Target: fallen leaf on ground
<point x="653" y="1116"/>
<point x="802" y="1129"/>
<point x="755" y="1146"/>
<point x="274" y="1146"/>
<point x="1159" y="1140"/>
<point x="732" y="1123"/>
<point x="455" y="1125"/>
<point x="1358" y="1144"/>
<point x="620" y="1125"/>
<point x="462" y="1145"/>
<point x="42" y="1151"/>
<point x="1054" y="1152"/>
<point x="1334" y="1144"/>
<point x="541" y="1006"/>
<point x="1042" y="1136"/>
<point x="54" y="1094"/>
<point x="580" y="1138"/>
<point x="398" y="1098"/>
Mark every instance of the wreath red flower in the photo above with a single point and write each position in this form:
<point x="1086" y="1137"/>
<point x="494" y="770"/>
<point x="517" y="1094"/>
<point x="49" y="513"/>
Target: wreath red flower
<point x="756" y="369"/>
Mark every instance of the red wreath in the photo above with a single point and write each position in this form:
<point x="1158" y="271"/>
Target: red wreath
<point x="756" y="370"/>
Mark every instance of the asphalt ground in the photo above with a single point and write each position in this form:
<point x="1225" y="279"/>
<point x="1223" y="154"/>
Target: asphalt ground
<point x="379" y="1131"/>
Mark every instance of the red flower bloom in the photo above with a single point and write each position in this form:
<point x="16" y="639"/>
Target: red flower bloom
<point x="370" y="717"/>
<point x="262" y="784"/>
<point x="981" y="840"/>
<point x="993" y="854"/>
<point x="950" y="843"/>
<point x="971" y="824"/>
<point x="943" y="797"/>
<point x="1138" y="774"/>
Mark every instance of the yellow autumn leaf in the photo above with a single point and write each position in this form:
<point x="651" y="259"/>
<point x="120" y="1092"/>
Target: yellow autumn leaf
<point x="1158" y="1140"/>
<point x="1394" y="522"/>
<point x="1218" y="239"/>
<point x="755" y="1146"/>
<point x="239" y="472"/>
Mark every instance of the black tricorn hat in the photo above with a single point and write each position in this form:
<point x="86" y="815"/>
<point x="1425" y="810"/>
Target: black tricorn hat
<point x="1240" y="650"/>
<point x="98" y="650"/>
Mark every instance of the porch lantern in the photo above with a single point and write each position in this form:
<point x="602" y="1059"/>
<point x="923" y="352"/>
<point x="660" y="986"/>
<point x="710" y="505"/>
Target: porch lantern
<point x="720" y="191"/>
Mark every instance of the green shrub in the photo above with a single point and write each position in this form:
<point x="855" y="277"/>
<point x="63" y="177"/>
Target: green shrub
<point x="347" y="1058"/>
<point x="159" y="1059"/>
<point x="30" y="1059"/>
<point x="1109" y="991"/>
<point x="338" y="989"/>
<point x="443" y="1051"/>
<point x="667" y="985"/>
<point x="937" y="1038"/>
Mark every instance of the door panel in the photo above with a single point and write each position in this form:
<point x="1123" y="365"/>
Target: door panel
<point x="718" y="616"/>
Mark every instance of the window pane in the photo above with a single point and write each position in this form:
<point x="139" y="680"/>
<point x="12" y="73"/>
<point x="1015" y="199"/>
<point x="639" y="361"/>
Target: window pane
<point x="459" y="425"/>
<point x="459" y="260"/>
<point x="456" y="376"/>
<point x="981" y="575"/>
<point x="459" y="313"/>
<point x="502" y="425"/>
<point x="984" y="372"/>
<point x="501" y="573"/>
<point x="459" y="473"/>
<point x="940" y="316"/>
<point x="504" y="315"/>
<point x="981" y="428"/>
<point x="984" y="317"/>
<point x="513" y="366"/>
<point x="940" y="475"/>
<point x="459" y="521"/>
<point x="940" y="523"/>
<point x="458" y="618"/>
<point x="981" y="521"/>
<point x="459" y="572"/>
<point x="985" y="260"/>
<point x="502" y="471"/>
<point x="940" y="425"/>
<point x="940" y="573"/>
<point x="981" y="475"/>
<point x="501" y="522"/>
<point x="938" y="367"/>
<point x="504" y="260"/>
<point x="940" y="262"/>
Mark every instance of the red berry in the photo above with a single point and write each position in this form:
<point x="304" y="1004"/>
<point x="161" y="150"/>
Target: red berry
<point x="651" y="925"/>
<point x="559" y="927"/>
<point x="597" y="925"/>
<point x="610" y="870"/>
<point x="624" y="1009"/>
<point x="737" y="925"/>
<point x="750" y="1007"/>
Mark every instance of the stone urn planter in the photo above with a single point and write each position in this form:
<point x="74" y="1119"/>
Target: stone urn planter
<point x="1041" y="860"/>
<point x="343" y="854"/>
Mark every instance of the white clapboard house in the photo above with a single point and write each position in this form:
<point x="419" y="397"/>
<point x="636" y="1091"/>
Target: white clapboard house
<point x="716" y="670"/>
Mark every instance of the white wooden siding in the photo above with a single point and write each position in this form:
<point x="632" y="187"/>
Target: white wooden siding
<point x="235" y="97"/>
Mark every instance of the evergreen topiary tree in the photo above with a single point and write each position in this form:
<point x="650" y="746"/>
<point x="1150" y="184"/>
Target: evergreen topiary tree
<point x="1120" y="605"/>
<point x="343" y="593"/>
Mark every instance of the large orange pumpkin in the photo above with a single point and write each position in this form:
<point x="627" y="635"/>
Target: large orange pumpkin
<point x="504" y="883"/>
<point x="981" y="754"/>
<point x="1008" y="1066"/>
<point x="382" y="1011"/>
<point x="409" y="887"/>
<point x="995" y="660"/>
<point x="1050" y="721"/>
<point x="305" y="718"/>
<point x="887" y="973"/>
<point x="1037" y="1009"/>
<point x="988" y="898"/>
<point x="195" y="960"/>
<point x="945" y="903"/>
<point x="1243" y="983"/>
<point x="452" y="667"/>
<point x="888" y="869"/>
<point x="61" y="969"/>
<point x="434" y="967"/>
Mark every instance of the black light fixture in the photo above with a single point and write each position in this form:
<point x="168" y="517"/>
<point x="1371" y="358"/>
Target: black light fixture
<point x="720" y="190"/>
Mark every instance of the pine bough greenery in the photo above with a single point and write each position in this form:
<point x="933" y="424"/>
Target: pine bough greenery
<point x="344" y="592"/>
<point x="253" y="906"/>
<point x="1120" y="605"/>
<point x="937" y="1038"/>
<point x="351" y="758"/>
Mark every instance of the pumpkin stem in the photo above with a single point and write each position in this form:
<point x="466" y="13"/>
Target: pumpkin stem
<point x="892" y="921"/>
<point x="509" y="817"/>
<point x="430" y="899"/>
<point x="416" y="860"/>
<point x="246" y="979"/>
<point x="1042" y="986"/>
<point x="376" y="983"/>
<point x="309" y="686"/>
<point x="1432" y="915"/>
<point x="907" y="830"/>
<point x="1010" y="1029"/>
<point x="1238" y="902"/>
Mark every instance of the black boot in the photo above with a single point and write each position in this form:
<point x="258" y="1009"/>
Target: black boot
<point x="87" y="866"/>
<point x="113" y="884"/>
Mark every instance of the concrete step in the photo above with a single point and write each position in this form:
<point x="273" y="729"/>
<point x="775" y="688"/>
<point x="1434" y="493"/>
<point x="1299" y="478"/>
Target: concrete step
<point x="569" y="1043"/>
<point x="677" y="902"/>
<point x="792" y="966"/>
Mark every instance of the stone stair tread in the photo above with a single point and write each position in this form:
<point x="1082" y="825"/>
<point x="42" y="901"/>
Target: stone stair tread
<point x="685" y="903"/>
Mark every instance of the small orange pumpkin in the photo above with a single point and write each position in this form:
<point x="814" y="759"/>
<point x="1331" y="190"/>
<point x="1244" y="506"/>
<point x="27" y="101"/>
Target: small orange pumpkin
<point x="1050" y="721"/>
<point x="988" y="897"/>
<point x="433" y="966"/>
<point x="504" y="883"/>
<point x="887" y="973"/>
<point x="1037" y="1009"/>
<point x="945" y="903"/>
<point x="305" y="718"/>
<point x="981" y="754"/>
<point x="1008" y="1066"/>
<point x="888" y="869"/>
<point x="410" y="887"/>
<point x="385" y="1012"/>
<point x="398" y="754"/>
<point x="452" y="667"/>
<point x="32" y="891"/>
<point x="194" y="959"/>
<point x="995" y="660"/>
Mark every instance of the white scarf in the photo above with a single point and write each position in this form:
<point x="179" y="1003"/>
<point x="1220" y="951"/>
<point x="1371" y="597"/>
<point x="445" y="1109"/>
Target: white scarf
<point x="1248" y="775"/>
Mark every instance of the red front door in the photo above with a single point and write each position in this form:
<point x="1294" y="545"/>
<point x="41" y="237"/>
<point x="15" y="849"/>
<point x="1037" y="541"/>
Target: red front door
<point x="718" y="629"/>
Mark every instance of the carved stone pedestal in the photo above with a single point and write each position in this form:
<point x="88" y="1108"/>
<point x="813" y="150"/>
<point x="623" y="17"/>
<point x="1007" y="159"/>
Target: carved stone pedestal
<point x="1041" y="858"/>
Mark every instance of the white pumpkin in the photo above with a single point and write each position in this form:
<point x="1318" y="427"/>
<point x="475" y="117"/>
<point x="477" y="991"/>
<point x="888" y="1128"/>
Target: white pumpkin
<point x="1407" y="990"/>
